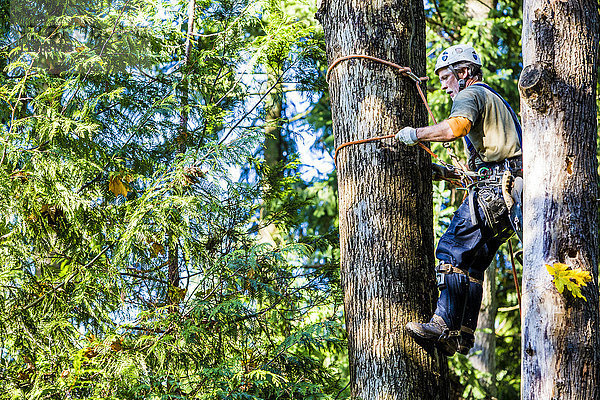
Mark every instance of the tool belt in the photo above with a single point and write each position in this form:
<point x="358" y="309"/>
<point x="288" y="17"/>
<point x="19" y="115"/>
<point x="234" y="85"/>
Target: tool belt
<point x="515" y="164"/>
<point x="487" y="192"/>
<point x="444" y="268"/>
<point x="492" y="172"/>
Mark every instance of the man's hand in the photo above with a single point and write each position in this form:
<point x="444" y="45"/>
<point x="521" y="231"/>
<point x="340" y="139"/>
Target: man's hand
<point x="407" y="136"/>
<point x="440" y="172"/>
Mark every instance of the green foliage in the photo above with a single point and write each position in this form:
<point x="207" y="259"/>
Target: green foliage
<point x="470" y="378"/>
<point x="130" y="261"/>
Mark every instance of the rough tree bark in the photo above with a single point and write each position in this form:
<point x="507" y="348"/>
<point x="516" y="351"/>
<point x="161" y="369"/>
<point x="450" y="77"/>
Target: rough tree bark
<point x="273" y="147"/>
<point x="385" y="200"/>
<point x="560" y="356"/>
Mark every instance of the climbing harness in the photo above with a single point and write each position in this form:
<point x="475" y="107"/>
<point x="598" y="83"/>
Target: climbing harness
<point x="487" y="191"/>
<point x="466" y="177"/>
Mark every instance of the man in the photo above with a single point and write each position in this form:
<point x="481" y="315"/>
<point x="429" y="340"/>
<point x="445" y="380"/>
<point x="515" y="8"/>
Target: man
<point x="481" y="223"/>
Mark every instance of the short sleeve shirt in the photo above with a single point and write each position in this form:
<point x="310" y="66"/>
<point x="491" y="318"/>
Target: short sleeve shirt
<point x="493" y="132"/>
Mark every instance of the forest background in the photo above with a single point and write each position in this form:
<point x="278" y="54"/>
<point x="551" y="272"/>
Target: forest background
<point x="169" y="224"/>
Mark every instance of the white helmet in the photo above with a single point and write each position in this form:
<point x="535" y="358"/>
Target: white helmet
<point x="457" y="53"/>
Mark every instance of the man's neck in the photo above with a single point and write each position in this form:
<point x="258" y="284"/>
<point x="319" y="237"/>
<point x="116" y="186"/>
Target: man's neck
<point x="471" y="81"/>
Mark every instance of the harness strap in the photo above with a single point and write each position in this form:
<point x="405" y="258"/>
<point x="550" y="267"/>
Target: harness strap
<point x="445" y="268"/>
<point x="474" y="219"/>
<point x="472" y="151"/>
<point x="449" y="334"/>
<point x="467" y="330"/>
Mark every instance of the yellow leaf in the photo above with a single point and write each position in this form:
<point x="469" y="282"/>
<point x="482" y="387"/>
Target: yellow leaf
<point x="116" y="186"/>
<point x="117" y="344"/>
<point x="181" y="292"/>
<point x="574" y="289"/>
<point x="157" y="248"/>
<point x="571" y="279"/>
<point x="177" y="293"/>
<point x="556" y="268"/>
<point x="580" y="276"/>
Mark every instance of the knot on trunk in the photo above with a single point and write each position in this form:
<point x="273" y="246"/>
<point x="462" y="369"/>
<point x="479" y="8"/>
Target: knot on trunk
<point x="534" y="85"/>
<point x="322" y="8"/>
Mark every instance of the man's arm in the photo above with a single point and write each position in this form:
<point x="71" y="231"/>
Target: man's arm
<point x="440" y="132"/>
<point x="445" y="131"/>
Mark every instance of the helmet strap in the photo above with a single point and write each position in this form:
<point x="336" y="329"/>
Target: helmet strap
<point x="461" y="82"/>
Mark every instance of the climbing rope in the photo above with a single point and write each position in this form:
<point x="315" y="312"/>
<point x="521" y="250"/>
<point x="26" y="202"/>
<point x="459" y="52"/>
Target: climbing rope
<point x="407" y="72"/>
<point x="516" y="279"/>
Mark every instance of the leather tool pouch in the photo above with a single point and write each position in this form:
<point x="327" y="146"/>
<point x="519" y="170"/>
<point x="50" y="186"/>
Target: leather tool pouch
<point x="493" y="206"/>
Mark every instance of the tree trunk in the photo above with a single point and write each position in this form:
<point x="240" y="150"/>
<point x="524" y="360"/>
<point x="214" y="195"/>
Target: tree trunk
<point x="480" y="9"/>
<point x="273" y="145"/>
<point x="385" y="200"/>
<point x="174" y="277"/>
<point x="182" y="138"/>
<point x="560" y="358"/>
<point x="273" y="149"/>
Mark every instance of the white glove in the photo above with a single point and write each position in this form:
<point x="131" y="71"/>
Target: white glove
<point x="407" y="136"/>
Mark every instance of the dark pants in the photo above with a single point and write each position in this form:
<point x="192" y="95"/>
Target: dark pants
<point x="470" y="246"/>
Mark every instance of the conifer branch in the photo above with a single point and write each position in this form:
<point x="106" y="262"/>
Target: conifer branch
<point x="63" y="283"/>
<point x="117" y="21"/>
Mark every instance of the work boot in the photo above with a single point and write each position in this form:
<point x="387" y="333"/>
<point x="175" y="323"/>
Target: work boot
<point x="450" y="307"/>
<point x="434" y="332"/>
<point x="431" y="330"/>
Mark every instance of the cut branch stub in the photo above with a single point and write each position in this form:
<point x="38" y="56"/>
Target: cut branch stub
<point x="535" y="88"/>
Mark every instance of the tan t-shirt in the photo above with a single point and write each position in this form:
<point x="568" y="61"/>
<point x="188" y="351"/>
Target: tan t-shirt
<point x="493" y="131"/>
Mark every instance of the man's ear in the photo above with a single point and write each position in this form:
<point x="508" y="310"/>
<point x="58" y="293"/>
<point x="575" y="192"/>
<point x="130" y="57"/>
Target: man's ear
<point x="463" y="73"/>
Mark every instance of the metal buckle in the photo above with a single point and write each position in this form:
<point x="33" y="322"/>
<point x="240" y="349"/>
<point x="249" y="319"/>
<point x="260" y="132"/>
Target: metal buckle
<point x="439" y="278"/>
<point x="444" y="268"/>
<point x="484" y="172"/>
<point x="448" y="334"/>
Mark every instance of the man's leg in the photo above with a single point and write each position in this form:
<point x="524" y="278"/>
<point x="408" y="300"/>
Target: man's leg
<point x="481" y="262"/>
<point x="444" y="327"/>
<point x="468" y="246"/>
<point x="456" y="247"/>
